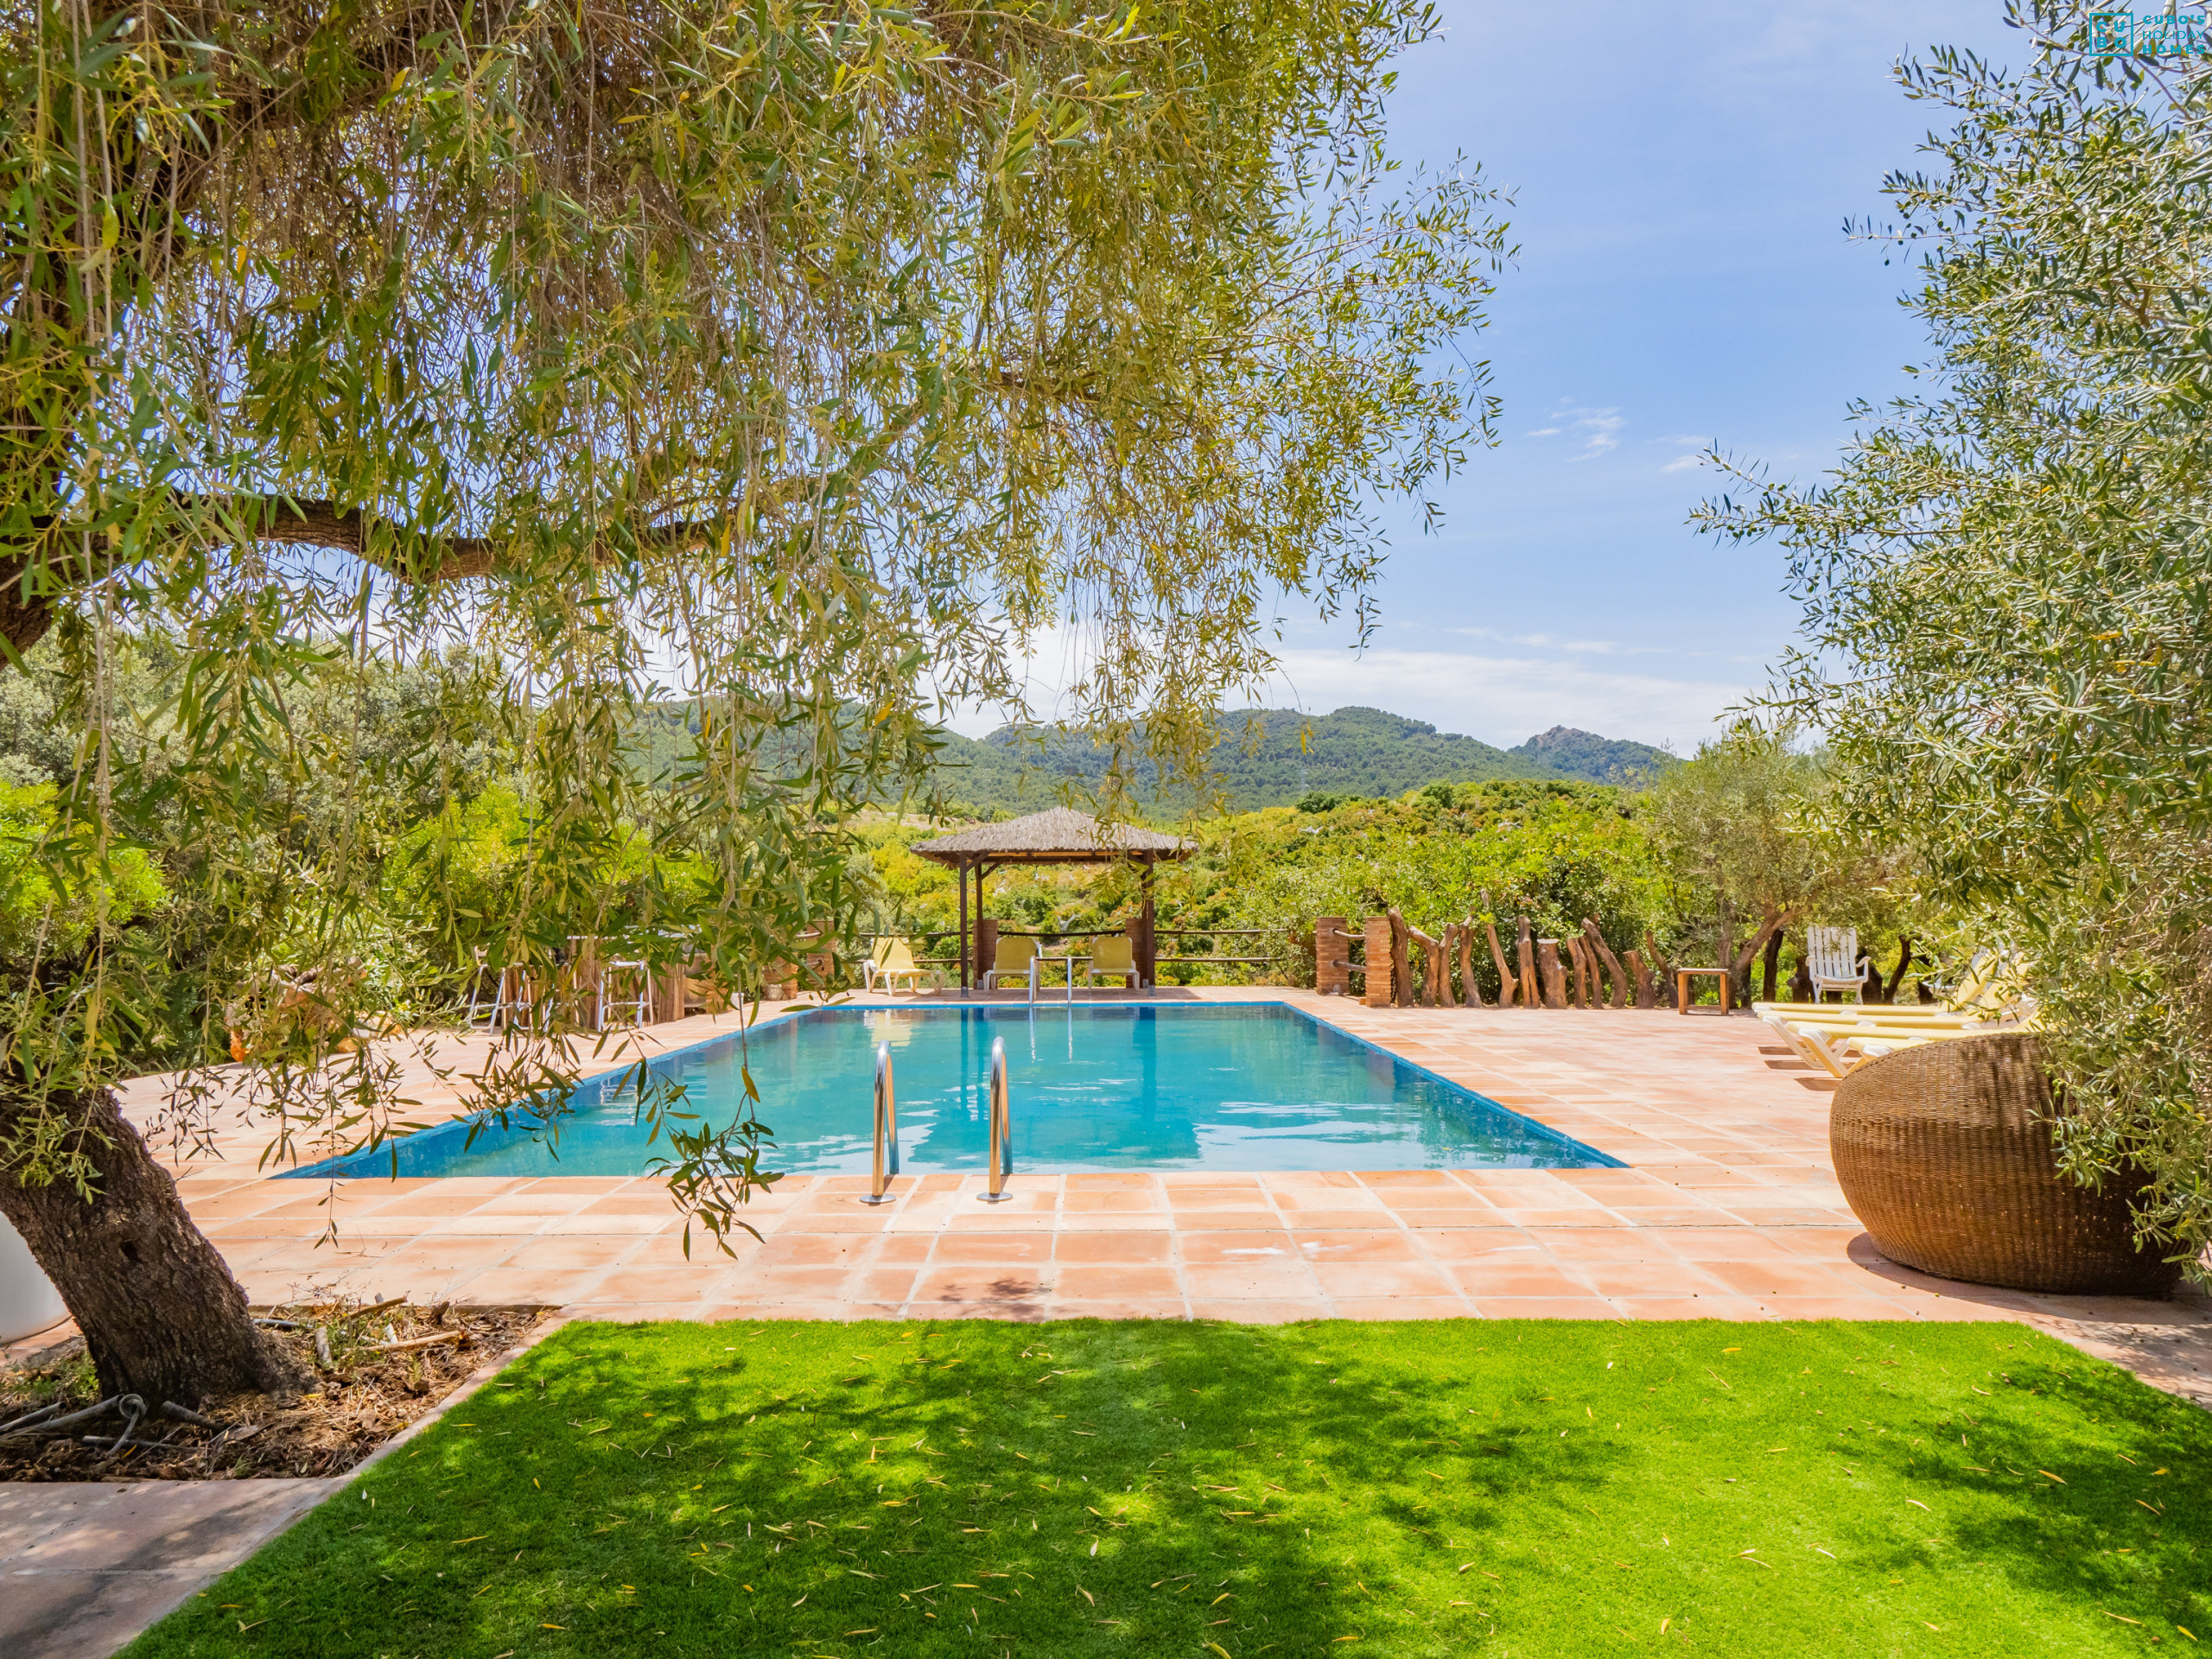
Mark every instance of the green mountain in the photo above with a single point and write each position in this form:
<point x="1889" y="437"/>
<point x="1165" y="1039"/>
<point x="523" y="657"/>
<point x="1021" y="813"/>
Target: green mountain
<point x="1594" y="759"/>
<point x="1353" y="752"/>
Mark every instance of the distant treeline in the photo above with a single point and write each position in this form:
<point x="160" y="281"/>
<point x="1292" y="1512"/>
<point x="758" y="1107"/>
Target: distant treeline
<point x="1354" y="753"/>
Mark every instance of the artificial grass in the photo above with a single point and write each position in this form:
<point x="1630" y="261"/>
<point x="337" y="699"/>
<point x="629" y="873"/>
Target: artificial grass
<point x="1146" y="1488"/>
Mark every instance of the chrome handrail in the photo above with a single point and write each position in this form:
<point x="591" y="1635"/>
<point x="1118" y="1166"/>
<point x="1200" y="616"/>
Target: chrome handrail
<point x="1002" y="1152"/>
<point x="886" y="1128"/>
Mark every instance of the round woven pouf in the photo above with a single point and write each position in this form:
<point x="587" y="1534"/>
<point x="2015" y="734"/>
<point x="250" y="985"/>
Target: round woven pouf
<point x="1943" y="1151"/>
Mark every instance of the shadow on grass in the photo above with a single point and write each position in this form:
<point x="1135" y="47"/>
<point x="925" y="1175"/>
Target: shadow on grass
<point x="1154" y="1487"/>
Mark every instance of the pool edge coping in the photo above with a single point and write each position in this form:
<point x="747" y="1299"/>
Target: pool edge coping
<point x="317" y="1171"/>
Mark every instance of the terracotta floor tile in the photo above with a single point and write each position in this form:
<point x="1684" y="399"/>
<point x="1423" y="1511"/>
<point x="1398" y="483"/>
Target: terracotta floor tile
<point x="534" y="1200"/>
<point x="1771" y="1279"/>
<point x="981" y="1283"/>
<point x="1592" y="1217"/>
<point x="607" y="1226"/>
<point x="1112" y="1181"/>
<point x="1367" y="1280"/>
<point x="1348" y="1200"/>
<point x="1281" y="1181"/>
<point x="782" y="1249"/>
<point x="449" y="1253"/>
<point x="1002" y="1249"/>
<point x="893" y="1286"/>
<point x="1122" y="1247"/>
<point x="1423" y="1220"/>
<point x="1214" y="1247"/>
<point x="511" y="1287"/>
<point x="672" y="1284"/>
<point x="1115" y="1281"/>
<point x="1247" y="1221"/>
<point x="856" y="1219"/>
<point x="1369" y="1246"/>
<point x="1482" y="1244"/>
<point x="1728" y="1245"/>
<point x="1483" y="1280"/>
<point x="1374" y="1219"/>
<point x="1629" y="1279"/>
<point x="784" y="1284"/>
<point x="1245" y="1282"/>
<point x="1121" y="1202"/>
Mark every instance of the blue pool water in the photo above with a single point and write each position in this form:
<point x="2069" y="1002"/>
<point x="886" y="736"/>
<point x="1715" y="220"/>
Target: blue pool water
<point x="1250" y="1086"/>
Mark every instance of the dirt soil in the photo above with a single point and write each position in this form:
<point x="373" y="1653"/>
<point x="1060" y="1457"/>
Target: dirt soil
<point x="378" y="1368"/>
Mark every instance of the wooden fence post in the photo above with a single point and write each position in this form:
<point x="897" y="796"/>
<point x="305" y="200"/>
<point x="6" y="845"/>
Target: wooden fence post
<point x="1508" y="986"/>
<point x="1439" y="969"/>
<point x="1401" y="976"/>
<point x="1621" y="996"/>
<point x="1554" y="979"/>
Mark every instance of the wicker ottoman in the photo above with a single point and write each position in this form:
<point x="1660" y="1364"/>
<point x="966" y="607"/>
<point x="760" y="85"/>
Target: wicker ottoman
<point x="1944" y="1151"/>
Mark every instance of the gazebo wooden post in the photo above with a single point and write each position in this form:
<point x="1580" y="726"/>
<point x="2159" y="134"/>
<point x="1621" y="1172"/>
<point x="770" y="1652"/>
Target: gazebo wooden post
<point x="961" y="870"/>
<point x="1148" y="951"/>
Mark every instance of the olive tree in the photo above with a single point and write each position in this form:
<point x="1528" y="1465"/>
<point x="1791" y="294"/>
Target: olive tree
<point x="2007" y="579"/>
<point x="804" y="358"/>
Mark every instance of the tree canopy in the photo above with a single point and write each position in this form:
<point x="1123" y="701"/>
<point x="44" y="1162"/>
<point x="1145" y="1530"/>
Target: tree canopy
<point x="2007" y="580"/>
<point x="807" y="362"/>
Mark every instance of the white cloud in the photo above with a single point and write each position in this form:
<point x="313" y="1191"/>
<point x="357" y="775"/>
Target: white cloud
<point x="1545" y="432"/>
<point x="1547" y="641"/>
<point x="1684" y="463"/>
<point x="1505" y="700"/>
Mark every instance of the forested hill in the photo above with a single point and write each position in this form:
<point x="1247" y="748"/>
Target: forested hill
<point x="1353" y="752"/>
<point x="1586" y="755"/>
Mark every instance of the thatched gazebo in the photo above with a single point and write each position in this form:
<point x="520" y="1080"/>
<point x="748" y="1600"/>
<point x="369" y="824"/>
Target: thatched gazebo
<point x="1058" y="835"/>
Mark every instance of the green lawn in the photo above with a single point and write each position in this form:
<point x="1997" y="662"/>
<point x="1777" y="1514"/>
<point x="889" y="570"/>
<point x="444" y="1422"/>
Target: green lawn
<point x="1533" y="1487"/>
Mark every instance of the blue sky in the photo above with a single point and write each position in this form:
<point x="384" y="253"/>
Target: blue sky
<point x="1682" y="176"/>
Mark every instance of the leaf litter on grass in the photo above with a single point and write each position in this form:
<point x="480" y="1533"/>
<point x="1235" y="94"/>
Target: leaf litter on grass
<point x="933" y="1497"/>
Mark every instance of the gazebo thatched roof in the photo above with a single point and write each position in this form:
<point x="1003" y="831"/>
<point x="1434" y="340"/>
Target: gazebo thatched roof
<point x="1058" y="835"/>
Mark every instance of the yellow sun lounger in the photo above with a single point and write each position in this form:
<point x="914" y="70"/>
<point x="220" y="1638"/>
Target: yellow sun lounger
<point x="893" y="960"/>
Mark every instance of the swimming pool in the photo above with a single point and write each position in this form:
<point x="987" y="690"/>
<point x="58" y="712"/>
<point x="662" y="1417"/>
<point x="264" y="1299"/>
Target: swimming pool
<point x="1240" y="1086"/>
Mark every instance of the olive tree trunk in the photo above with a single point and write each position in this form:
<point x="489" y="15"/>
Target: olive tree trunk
<point x="162" y="1315"/>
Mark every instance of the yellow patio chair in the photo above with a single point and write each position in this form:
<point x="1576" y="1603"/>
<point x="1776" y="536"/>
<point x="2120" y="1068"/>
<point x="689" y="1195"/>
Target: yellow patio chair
<point x="893" y="960"/>
<point x="1016" y="954"/>
<point x="1113" y="957"/>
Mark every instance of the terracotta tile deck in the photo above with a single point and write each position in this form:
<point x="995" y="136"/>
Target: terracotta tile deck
<point x="1728" y="1210"/>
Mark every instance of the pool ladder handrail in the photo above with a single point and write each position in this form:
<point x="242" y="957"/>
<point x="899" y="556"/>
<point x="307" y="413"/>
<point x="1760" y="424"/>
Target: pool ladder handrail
<point x="887" y="1130"/>
<point x="1002" y="1129"/>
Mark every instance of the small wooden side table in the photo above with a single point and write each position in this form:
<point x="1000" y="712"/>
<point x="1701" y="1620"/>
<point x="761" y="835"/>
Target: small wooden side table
<point x="1682" y="977"/>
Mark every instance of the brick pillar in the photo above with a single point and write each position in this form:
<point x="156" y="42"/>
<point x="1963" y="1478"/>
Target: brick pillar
<point x="1379" y="985"/>
<point x="986" y="946"/>
<point x="1332" y="957"/>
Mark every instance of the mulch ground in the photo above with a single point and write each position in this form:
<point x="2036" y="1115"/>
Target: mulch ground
<point x="376" y="1368"/>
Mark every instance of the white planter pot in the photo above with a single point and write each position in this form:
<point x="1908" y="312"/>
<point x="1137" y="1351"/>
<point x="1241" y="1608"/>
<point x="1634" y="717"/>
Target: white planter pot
<point x="28" y="1301"/>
